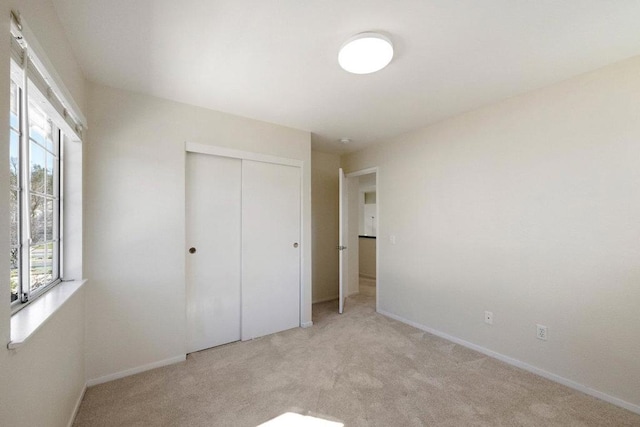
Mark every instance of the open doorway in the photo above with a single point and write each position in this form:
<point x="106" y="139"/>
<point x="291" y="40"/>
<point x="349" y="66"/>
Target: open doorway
<point x="359" y="228"/>
<point x="367" y="233"/>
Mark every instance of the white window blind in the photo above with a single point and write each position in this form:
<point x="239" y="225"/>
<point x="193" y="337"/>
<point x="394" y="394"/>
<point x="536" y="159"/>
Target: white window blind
<point x="42" y="78"/>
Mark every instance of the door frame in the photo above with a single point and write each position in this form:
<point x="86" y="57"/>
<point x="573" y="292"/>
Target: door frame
<point x="214" y="150"/>
<point x="367" y="171"/>
<point x="343" y="267"/>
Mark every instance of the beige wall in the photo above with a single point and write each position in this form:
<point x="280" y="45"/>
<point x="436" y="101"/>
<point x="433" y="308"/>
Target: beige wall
<point x="367" y="257"/>
<point x="50" y="366"/>
<point x="528" y="208"/>
<point x="353" y="269"/>
<point x="367" y="185"/>
<point x="135" y="221"/>
<point x="324" y="190"/>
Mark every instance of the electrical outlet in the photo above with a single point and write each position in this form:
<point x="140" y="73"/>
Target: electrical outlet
<point x="488" y="317"/>
<point x="541" y="332"/>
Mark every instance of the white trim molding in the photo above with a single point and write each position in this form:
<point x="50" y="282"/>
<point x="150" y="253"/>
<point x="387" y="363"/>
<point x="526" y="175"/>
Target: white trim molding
<point x="367" y="171"/>
<point x="76" y="408"/>
<point x="214" y="150"/>
<point x="362" y="172"/>
<point x="136" y="370"/>
<point x="520" y="364"/>
<point x="325" y="299"/>
<point x="29" y="319"/>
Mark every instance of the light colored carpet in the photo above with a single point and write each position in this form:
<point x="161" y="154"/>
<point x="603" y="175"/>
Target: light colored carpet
<point x="359" y="368"/>
<point x="367" y="286"/>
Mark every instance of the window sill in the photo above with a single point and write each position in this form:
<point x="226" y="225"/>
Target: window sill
<point x="28" y="320"/>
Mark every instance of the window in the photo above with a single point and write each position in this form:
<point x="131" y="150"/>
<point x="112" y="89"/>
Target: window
<point x="45" y="135"/>
<point x="14" y="170"/>
<point x="35" y="164"/>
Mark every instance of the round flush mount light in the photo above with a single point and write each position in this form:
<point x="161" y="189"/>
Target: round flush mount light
<point x="344" y="141"/>
<point x="365" y="53"/>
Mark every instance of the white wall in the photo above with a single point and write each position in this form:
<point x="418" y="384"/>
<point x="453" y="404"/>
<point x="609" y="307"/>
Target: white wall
<point x="324" y="192"/>
<point x="528" y="208"/>
<point x="353" y="269"/>
<point x="368" y="218"/>
<point x="367" y="184"/>
<point x="49" y="367"/>
<point x="367" y="257"/>
<point x="366" y="246"/>
<point x="135" y="221"/>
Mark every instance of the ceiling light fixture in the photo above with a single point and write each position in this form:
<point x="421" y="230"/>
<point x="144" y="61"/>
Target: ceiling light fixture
<point x="344" y="141"/>
<point x="365" y="53"/>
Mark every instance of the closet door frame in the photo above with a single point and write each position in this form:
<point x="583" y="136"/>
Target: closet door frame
<point x="193" y="147"/>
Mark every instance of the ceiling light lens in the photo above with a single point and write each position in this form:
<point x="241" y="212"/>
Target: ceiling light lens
<point x="366" y="53"/>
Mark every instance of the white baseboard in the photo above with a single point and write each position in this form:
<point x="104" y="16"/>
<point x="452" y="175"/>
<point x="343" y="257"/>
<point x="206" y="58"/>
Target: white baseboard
<point x="77" y="406"/>
<point x="324" y="299"/>
<point x="522" y="365"/>
<point x="334" y="298"/>
<point x="306" y="324"/>
<point x="137" y="370"/>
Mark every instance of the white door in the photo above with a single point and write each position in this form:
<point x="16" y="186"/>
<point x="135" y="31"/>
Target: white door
<point x="342" y="239"/>
<point x="270" y="248"/>
<point x="213" y="215"/>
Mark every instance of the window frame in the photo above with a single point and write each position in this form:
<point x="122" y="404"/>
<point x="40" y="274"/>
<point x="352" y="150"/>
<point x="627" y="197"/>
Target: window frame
<point x="18" y="242"/>
<point x="26" y="101"/>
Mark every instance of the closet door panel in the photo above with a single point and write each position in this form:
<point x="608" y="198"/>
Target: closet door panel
<point x="213" y="221"/>
<point x="270" y="248"/>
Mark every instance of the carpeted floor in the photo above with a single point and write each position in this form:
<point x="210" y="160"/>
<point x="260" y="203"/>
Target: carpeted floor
<point x="367" y="286"/>
<point x="359" y="368"/>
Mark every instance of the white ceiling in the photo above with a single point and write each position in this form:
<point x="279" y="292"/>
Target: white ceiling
<point x="277" y="60"/>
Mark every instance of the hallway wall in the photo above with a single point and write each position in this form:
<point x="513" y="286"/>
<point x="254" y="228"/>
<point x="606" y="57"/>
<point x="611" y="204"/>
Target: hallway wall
<point x="324" y="193"/>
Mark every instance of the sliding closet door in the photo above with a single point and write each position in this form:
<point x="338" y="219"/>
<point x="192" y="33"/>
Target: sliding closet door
<point x="213" y="215"/>
<point x="270" y="248"/>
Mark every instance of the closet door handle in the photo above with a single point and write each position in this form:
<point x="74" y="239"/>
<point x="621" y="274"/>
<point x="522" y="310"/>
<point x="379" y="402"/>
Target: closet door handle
<point x="295" y="245"/>
<point x="192" y="250"/>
